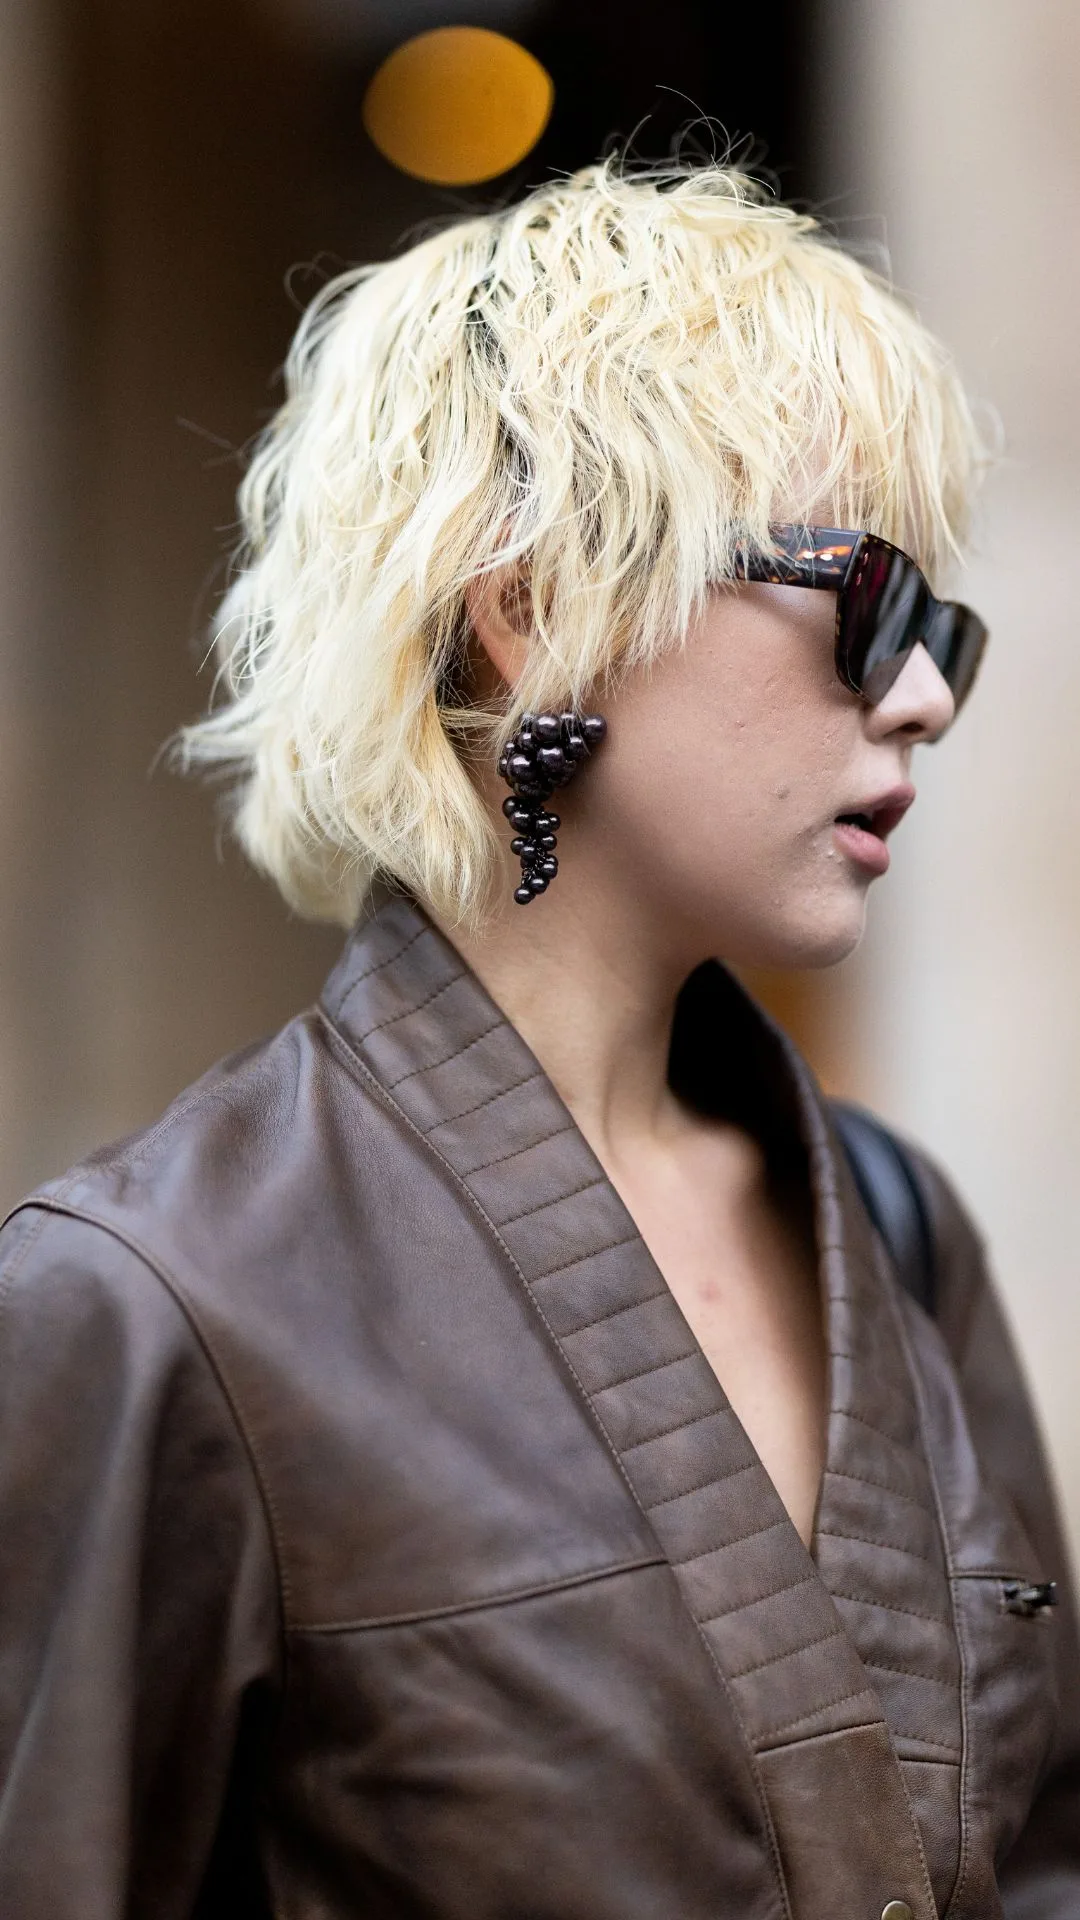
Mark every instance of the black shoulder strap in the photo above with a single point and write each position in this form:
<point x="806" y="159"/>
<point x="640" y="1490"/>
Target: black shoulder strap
<point x="889" y="1187"/>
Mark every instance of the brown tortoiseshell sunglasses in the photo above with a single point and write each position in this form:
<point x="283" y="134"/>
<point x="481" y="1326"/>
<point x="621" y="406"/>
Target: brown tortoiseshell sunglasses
<point x="884" y="607"/>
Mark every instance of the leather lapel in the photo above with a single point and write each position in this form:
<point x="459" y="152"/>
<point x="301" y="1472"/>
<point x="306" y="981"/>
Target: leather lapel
<point x="878" y="1541"/>
<point x="787" y="1649"/>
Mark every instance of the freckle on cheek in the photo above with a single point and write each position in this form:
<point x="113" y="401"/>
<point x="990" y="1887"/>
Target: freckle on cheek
<point x="782" y="792"/>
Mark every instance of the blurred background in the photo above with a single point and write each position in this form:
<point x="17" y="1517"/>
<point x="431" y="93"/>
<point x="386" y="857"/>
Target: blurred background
<point x="176" y="181"/>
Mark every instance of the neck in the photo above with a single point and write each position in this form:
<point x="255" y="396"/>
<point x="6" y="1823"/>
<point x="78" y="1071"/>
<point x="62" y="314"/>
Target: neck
<point x="588" y="978"/>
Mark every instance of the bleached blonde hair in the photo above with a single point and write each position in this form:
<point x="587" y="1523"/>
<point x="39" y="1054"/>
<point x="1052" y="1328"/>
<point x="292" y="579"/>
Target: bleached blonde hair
<point x="607" y="386"/>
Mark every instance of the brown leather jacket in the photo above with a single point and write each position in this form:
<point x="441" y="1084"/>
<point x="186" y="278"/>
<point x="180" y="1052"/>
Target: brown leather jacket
<point x="375" y="1539"/>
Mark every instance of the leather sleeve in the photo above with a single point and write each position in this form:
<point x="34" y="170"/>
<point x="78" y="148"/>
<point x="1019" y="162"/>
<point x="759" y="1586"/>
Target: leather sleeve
<point x="1040" y="1880"/>
<point x="139" y="1627"/>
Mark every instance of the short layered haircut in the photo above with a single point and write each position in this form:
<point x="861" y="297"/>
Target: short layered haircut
<point x="609" y="387"/>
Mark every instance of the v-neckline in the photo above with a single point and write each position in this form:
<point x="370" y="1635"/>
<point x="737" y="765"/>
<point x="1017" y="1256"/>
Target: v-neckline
<point x="789" y="1627"/>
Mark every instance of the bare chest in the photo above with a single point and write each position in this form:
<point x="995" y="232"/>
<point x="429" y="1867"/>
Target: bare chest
<point x="745" y="1278"/>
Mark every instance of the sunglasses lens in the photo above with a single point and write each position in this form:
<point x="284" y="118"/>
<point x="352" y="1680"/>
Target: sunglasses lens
<point x="956" y="640"/>
<point x="883" y="617"/>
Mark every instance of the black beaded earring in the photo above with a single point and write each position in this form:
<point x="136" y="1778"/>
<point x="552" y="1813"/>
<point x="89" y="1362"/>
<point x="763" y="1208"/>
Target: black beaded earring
<point x="545" y="752"/>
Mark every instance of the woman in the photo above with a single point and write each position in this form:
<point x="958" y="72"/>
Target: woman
<point x="472" y="1458"/>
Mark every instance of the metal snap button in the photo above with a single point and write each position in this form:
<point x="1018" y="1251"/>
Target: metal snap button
<point x="897" y="1910"/>
<point x="1028" y="1599"/>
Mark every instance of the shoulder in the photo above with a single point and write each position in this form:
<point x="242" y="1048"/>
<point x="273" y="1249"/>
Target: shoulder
<point x="266" y="1201"/>
<point x="218" y="1136"/>
<point x="106" y="1384"/>
<point x="252" y="1149"/>
<point x="143" y="1289"/>
<point x="132" y="1511"/>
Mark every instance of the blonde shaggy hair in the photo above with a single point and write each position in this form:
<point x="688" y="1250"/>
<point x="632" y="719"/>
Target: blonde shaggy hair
<point x="608" y="386"/>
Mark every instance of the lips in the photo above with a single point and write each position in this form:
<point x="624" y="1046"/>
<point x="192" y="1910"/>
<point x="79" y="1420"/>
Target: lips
<point x="861" y="831"/>
<point x="881" y="815"/>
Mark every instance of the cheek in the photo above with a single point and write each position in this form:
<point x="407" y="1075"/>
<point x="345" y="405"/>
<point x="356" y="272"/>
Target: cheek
<point x="753" y="689"/>
<point x="722" y="786"/>
<point x="736" y="811"/>
<point x="725" y="758"/>
<point x="748" y="770"/>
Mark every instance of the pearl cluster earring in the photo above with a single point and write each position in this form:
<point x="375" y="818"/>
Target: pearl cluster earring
<point x="544" y="753"/>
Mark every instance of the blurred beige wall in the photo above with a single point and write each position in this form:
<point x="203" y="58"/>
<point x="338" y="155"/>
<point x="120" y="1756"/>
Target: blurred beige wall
<point x="162" y="170"/>
<point x="38" y="1014"/>
<point x="952" y="133"/>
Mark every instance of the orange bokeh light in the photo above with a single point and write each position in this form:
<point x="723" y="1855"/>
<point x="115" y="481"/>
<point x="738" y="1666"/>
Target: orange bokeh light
<point x="458" y="105"/>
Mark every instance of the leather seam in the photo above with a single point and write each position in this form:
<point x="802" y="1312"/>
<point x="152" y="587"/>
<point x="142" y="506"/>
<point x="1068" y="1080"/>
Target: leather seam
<point x="829" y="1733"/>
<point x="663" y="1432"/>
<point x="880" y="1486"/>
<point x="382" y="1026"/>
<point x="824" y="1706"/>
<point x="902" y="1446"/>
<point x="30" y="1238"/>
<point x="737" y="1540"/>
<point x="453" y="1610"/>
<point x="613" y="1313"/>
<point x="429" y="1066"/>
<point x="793" y="1653"/>
<point x="543" y="1205"/>
<point x="987" y="1573"/>
<point x="760" y="1600"/>
<point x="955" y="1612"/>
<point x="656" y="1366"/>
<point x="890" y="1606"/>
<point x="379" y="966"/>
<point x="898" y="1400"/>
<point x="699" y="1486"/>
<point x="610" y="1246"/>
<point x="913" y="1673"/>
<point x="887" y="1546"/>
<point x="945" y="1755"/>
<point x="516" y="1152"/>
<point x="173" y="1288"/>
<point x="478" y="1106"/>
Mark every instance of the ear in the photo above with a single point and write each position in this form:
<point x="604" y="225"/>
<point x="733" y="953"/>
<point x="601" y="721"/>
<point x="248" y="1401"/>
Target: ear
<point x="500" y="611"/>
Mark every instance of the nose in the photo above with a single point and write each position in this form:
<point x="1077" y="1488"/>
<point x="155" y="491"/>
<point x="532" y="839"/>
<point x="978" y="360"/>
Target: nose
<point x="918" y="704"/>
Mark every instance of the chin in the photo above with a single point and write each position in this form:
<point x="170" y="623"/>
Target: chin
<point x="806" y="943"/>
<point x="830" y="952"/>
